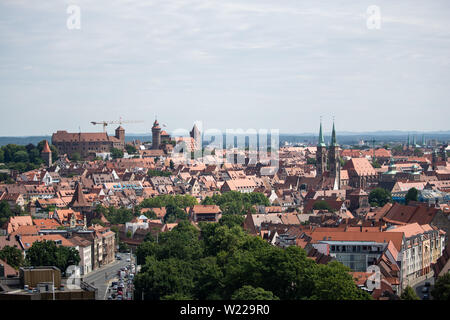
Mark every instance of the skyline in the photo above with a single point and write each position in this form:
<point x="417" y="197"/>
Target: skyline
<point x="238" y="64"/>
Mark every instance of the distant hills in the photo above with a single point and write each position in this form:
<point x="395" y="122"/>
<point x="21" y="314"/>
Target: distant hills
<point x="343" y="137"/>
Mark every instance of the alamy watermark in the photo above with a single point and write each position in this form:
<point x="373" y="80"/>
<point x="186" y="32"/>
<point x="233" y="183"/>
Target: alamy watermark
<point x="74" y="20"/>
<point x="234" y="146"/>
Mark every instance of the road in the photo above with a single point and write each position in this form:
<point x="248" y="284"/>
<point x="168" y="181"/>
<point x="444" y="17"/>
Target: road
<point x="419" y="286"/>
<point x="98" y="279"/>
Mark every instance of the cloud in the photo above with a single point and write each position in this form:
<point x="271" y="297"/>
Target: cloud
<point x="291" y="57"/>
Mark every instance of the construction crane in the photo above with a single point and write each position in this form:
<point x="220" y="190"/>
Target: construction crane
<point x="119" y="122"/>
<point x="373" y="147"/>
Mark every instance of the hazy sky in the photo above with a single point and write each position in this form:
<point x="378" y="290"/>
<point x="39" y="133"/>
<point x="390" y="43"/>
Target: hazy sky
<point x="231" y="64"/>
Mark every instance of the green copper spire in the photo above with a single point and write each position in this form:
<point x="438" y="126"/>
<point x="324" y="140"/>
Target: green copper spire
<point x="408" y="141"/>
<point x="333" y="137"/>
<point x="321" y="141"/>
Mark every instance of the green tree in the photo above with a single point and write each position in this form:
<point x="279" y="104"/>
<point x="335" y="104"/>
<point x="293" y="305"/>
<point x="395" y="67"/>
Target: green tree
<point x="173" y="213"/>
<point x="412" y="195"/>
<point x="123" y="247"/>
<point x="441" y="290"/>
<point x="5" y="212"/>
<point x="322" y="205"/>
<point x="231" y="220"/>
<point x="409" y="294"/>
<point x="130" y="149"/>
<point x="378" y="197"/>
<point x="116" y="153"/>
<point x="251" y="293"/>
<point x="334" y="282"/>
<point x="21" y="156"/>
<point x="12" y="256"/>
<point x="47" y="253"/>
<point x="75" y="157"/>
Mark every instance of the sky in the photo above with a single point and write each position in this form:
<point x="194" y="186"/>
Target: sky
<point x="251" y="64"/>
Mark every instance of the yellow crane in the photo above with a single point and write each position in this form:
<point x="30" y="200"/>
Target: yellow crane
<point x="119" y="122"/>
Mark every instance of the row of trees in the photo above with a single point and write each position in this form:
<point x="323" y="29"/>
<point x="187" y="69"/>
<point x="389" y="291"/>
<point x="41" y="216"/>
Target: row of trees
<point x="223" y="262"/>
<point x="234" y="202"/>
<point x="24" y="158"/>
<point x="41" y="253"/>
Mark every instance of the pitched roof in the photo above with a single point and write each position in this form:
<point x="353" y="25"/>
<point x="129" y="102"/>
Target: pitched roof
<point x="46" y="148"/>
<point x="410" y="214"/>
<point x="78" y="199"/>
<point x="360" y="166"/>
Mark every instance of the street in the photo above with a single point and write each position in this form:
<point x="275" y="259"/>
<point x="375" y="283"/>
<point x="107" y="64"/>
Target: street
<point x="98" y="279"/>
<point x="419" y="287"/>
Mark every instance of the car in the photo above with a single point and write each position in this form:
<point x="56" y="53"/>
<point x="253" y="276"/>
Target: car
<point x="115" y="287"/>
<point x="119" y="297"/>
<point x="110" y="298"/>
<point x="119" y="258"/>
<point x="426" y="297"/>
<point x="427" y="284"/>
<point x="128" y="259"/>
<point x="425" y="290"/>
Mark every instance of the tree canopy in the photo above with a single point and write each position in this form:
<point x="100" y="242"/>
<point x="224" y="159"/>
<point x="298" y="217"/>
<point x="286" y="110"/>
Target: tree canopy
<point x="47" y="253"/>
<point x="12" y="256"/>
<point x="234" y="202"/>
<point x="412" y="195"/>
<point x="409" y="294"/>
<point x="378" y="197"/>
<point x="441" y="290"/>
<point x="222" y="261"/>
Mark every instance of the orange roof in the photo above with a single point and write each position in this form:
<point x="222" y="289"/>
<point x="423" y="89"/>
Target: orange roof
<point x="46" y="148"/>
<point x="29" y="240"/>
<point x="46" y="223"/>
<point x="204" y="208"/>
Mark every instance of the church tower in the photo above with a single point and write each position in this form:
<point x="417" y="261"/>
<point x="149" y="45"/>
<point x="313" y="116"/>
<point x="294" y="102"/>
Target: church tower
<point x="321" y="154"/>
<point x="156" y="135"/>
<point x="334" y="160"/>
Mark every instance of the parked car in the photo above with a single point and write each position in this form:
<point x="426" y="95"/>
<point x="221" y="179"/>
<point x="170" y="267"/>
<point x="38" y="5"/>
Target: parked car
<point x="118" y="257"/>
<point x="110" y="298"/>
<point x="119" y="297"/>
<point x="426" y="296"/>
<point x="425" y="290"/>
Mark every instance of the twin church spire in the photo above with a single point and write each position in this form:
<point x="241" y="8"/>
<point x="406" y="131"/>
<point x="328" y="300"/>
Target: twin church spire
<point x="333" y="137"/>
<point x="328" y="160"/>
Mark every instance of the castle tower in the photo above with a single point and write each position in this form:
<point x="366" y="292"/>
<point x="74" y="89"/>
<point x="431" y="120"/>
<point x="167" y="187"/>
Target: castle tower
<point x="334" y="160"/>
<point x="46" y="154"/>
<point x="321" y="154"/>
<point x="156" y="135"/>
<point x="120" y="134"/>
